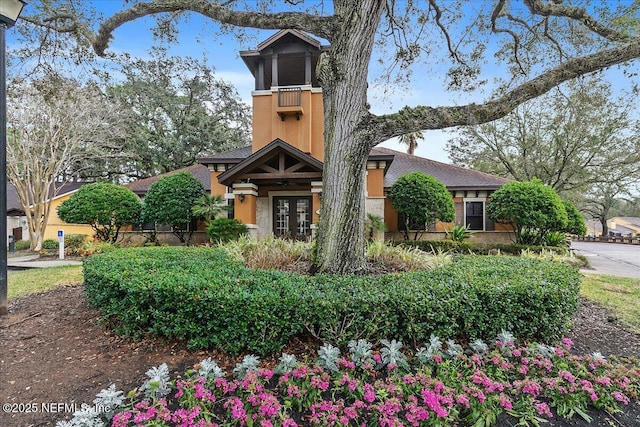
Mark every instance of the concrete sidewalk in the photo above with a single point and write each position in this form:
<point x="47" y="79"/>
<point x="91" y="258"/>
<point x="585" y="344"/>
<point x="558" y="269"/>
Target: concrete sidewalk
<point x="34" y="261"/>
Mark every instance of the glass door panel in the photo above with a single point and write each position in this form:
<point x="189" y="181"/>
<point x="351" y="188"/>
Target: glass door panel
<point x="288" y="224"/>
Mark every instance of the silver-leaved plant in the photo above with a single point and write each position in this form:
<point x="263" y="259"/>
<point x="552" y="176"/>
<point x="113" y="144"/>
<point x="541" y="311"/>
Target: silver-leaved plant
<point x="454" y="350"/>
<point x="249" y="363"/>
<point x="287" y="363"/>
<point x="425" y="355"/>
<point x="328" y="357"/>
<point x="158" y="384"/>
<point x="479" y="346"/>
<point x="391" y="354"/>
<point x="506" y="337"/>
<point x="361" y="352"/>
<point x="209" y="370"/>
<point x="109" y="400"/>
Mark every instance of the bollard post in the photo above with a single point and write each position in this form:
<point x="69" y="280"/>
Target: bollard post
<point x="61" y="244"/>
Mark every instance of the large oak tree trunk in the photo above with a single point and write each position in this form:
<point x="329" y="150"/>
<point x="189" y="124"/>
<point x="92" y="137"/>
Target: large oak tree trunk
<point x="343" y="73"/>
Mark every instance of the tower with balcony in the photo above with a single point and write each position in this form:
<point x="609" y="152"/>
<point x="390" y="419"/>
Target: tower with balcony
<point x="287" y="100"/>
<point x="275" y="186"/>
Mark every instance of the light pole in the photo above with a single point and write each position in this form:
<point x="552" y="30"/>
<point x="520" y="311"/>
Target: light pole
<point x="9" y="13"/>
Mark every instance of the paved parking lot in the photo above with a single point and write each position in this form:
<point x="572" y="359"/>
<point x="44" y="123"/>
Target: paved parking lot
<point x="615" y="259"/>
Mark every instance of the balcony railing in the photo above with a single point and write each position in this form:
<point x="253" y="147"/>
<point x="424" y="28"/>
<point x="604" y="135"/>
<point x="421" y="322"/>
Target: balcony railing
<point x="289" y="97"/>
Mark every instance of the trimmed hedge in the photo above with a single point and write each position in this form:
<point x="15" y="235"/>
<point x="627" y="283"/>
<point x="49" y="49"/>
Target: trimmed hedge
<point x="467" y="247"/>
<point x="199" y="295"/>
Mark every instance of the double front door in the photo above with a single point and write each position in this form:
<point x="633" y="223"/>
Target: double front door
<point x="292" y="217"/>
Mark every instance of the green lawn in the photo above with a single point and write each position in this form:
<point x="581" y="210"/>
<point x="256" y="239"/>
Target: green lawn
<point x="41" y="279"/>
<point x="620" y="294"/>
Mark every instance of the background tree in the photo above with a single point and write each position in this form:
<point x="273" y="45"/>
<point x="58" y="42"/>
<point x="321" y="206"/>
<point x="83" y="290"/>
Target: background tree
<point x="53" y="123"/>
<point x="169" y="201"/>
<point x="104" y="206"/>
<point x="570" y="141"/>
<point x="532" y="208"/>
<point x="178" y="111"/>
<point x="411" y="140"/>
<point x="539" y="45"/>
<point x="421" y="200"/>
<point x="629" y="206"/>
<point x="601" y="202"/>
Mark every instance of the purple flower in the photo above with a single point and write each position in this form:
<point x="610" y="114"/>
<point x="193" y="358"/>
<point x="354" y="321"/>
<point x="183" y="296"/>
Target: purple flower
<point x="543" y="409"/>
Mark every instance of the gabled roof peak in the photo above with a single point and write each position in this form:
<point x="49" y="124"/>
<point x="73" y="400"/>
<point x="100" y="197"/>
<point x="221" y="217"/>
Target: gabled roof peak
<point x="283" y="33"/>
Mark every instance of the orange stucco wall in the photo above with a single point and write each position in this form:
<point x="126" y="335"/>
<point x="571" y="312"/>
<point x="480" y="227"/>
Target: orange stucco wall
<point x="317" y="126"/>
<point x="217" y="189"/>
<point x="54" y="223"/>
<point x="306" y="134"/>
<point x="390" y="216"/>
<point x="245" y="211"/>
<point x="375" y="182"/>
<point x="315" y="206"/>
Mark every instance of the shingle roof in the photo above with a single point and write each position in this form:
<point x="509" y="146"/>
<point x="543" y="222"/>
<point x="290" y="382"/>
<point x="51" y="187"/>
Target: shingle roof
<point x="236" y="156"/>
<point x="453" y="177"/>
<point x="15" y="208"/>
<point x="200" y="172"/>
<point x="274" y="147"/>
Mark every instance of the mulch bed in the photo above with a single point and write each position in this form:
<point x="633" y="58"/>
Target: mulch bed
<point x="57" y="354"/>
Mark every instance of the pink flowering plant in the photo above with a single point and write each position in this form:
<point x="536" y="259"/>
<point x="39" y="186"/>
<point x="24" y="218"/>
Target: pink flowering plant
<point x="439" y="385"/>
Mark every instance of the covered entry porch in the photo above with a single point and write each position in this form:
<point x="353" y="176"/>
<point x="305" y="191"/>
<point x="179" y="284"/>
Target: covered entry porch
<point x="276" y="191"/>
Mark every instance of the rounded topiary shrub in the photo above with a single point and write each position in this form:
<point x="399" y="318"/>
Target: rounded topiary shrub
<point x="201" y="296"/>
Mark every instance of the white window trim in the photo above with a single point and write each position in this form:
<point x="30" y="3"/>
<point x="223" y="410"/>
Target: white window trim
<point x="484" y="210"/>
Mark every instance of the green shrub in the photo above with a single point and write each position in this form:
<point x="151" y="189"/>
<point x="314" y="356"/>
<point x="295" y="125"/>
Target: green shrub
<point x="458" y="233"/>
<point x="556" y="238"/>
<point x="467" y="247"/>
<point x="225" y="230"/>
<point x="421" y="199"/>
<point x="23" y="245"/>
<point x="575" y="220"/>
<point x="202" y="296"/>
<point x="73" y="242"/>
<point x="374" y="224"/>
<point x="532" y="208"/>
<point x="106" y="207"/>
<point x="50" y="244"/>
<point x="169" y="202"/>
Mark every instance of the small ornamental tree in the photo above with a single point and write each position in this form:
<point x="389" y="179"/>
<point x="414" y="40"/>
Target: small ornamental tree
<point x="575" y="220"/>
<point x="421" y="199"/>
<point x="209" y="206"/>
<point x="104" y="206"/>
<point x="532" y="208"/>
<point x="169" y="202"/>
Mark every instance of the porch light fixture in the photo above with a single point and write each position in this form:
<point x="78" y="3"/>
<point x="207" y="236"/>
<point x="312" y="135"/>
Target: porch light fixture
<point x="9" y="13"/>
<point x="241" y="197"/>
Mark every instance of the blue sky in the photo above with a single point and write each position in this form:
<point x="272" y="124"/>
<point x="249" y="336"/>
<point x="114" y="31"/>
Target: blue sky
<point x="196" y="38"/>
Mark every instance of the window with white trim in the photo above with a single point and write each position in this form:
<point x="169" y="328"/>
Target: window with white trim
<point x="474" y="214"/>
